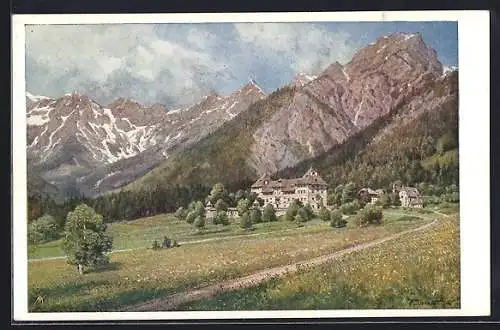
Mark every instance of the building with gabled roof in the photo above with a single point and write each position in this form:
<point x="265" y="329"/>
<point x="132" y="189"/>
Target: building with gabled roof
<point x="308" y="189"/>
<point x="410" y="197"/>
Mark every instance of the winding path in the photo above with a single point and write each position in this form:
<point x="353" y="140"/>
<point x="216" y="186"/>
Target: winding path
<point x="173" y="301"/>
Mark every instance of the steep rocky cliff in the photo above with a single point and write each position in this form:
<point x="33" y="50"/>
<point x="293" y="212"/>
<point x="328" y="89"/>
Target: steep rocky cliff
<point x="387" y="83"/>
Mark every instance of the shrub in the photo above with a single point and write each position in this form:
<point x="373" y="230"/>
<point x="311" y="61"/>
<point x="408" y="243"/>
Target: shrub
<point x="256" y="216"/>
<point x="299" y="218"/>
<point x="324" y="214"/>
<point x="243" y="206"/>
<point x="269" y="214"/>
<point x="221" y="218"/>
<point x="191" y="217"/>
<point x="42" y="230"/>
<point x="156" y="246"/>
<point x="348" y="192"/>
<point x="292" y="210"/>
<point x="450" y="197"/>
<point x="199" y="222"/>
<point x="245" y="221"/>
<point x="336" y="219"/>
<point x="181" y="213"/>
<point x="220" y="205"/>
<point x="195" y="210"/>
<point x="370" y="215"/>
<point x="167" y="242"/>
<point x="310" y="212"/>
<point x="384" y="200"/>
<point x="350" y="208"/>
<point x="302" y="214"/>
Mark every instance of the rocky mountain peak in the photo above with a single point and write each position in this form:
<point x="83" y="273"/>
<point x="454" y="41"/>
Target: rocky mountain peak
<point x="407" y="51"/>
<point x="252" y="86"/>
<point x="301" y="79"/>
<point x="123" y="103"/>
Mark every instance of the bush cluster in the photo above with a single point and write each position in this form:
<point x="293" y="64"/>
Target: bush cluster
<point x="336" y="219"/>
<point x="369" y="215"/>
<point x="43" y="229"/>
<point x="299" y="213"/>
<point x="167" y="243"/>
<point x="350" y="208"/>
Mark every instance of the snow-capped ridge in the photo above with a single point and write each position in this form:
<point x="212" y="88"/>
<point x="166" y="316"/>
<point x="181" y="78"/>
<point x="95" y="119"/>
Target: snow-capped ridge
<point x="253" y="83"/>
<point x="449" y="68"/>
<point x="36" y="98"/>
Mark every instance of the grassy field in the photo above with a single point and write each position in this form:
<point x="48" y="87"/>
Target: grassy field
<point x="136" y="276"/>
<point x="419" y="271"/>
<point x="142" y="232"/>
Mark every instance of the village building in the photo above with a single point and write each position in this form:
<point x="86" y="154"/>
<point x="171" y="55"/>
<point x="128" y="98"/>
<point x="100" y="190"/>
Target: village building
<point x="370" y="195"/>
<point x="410" y="197"/>
<point x="211" y="211"/>
<point x="308" y="189"/>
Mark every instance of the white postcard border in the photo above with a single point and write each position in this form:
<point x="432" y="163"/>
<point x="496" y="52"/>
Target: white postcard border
<point x="473" y="32"/>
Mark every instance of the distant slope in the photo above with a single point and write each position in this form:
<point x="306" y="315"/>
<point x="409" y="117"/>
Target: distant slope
<point x="77" y="144"/>
<point x="222" y="155"/>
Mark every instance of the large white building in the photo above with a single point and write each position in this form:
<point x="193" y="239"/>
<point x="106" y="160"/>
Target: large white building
<point x="309" y="189"/>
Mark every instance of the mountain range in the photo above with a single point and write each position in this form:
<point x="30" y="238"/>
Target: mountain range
<point x="76" y="144"/>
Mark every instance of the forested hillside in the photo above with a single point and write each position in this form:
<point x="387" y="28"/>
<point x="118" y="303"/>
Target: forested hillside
<point x="424" y="149"/>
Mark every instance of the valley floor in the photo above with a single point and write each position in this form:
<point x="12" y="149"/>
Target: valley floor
<point x="416" y="271"/>
<point x="141" y="275"/>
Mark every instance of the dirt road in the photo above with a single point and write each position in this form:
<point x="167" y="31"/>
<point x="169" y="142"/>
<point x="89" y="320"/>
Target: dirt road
<point x="172" y="301"/>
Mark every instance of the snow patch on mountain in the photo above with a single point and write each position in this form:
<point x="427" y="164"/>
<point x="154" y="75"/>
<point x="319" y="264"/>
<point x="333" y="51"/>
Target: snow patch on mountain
<point x="36" y="98"/>
<point x="381" y="49"/>
<point x="345" y="74"/>
<point x="449" y="68"/>
<point x="409" y="36"/>
<point x="252" y="82"/>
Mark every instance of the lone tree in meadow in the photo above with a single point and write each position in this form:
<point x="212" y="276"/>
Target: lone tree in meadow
<point x="85" y="239"/>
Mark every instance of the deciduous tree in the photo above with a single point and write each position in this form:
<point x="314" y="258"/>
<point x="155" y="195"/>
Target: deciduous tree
<point x="85" y="239"/>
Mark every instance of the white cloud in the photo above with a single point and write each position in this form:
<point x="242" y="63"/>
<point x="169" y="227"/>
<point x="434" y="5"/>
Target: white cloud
<point x="200" y="38"/>
<point x="308" y="48"/>
<point x="95" y="53"/>
<point x="172" y="64"/>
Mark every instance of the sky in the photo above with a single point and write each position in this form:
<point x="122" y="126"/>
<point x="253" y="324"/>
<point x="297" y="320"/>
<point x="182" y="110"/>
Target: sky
<point x="177" y="64"/>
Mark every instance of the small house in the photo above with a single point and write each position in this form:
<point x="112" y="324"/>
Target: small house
<point x="410" y="197"/>
<point x="369" y="195"/>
